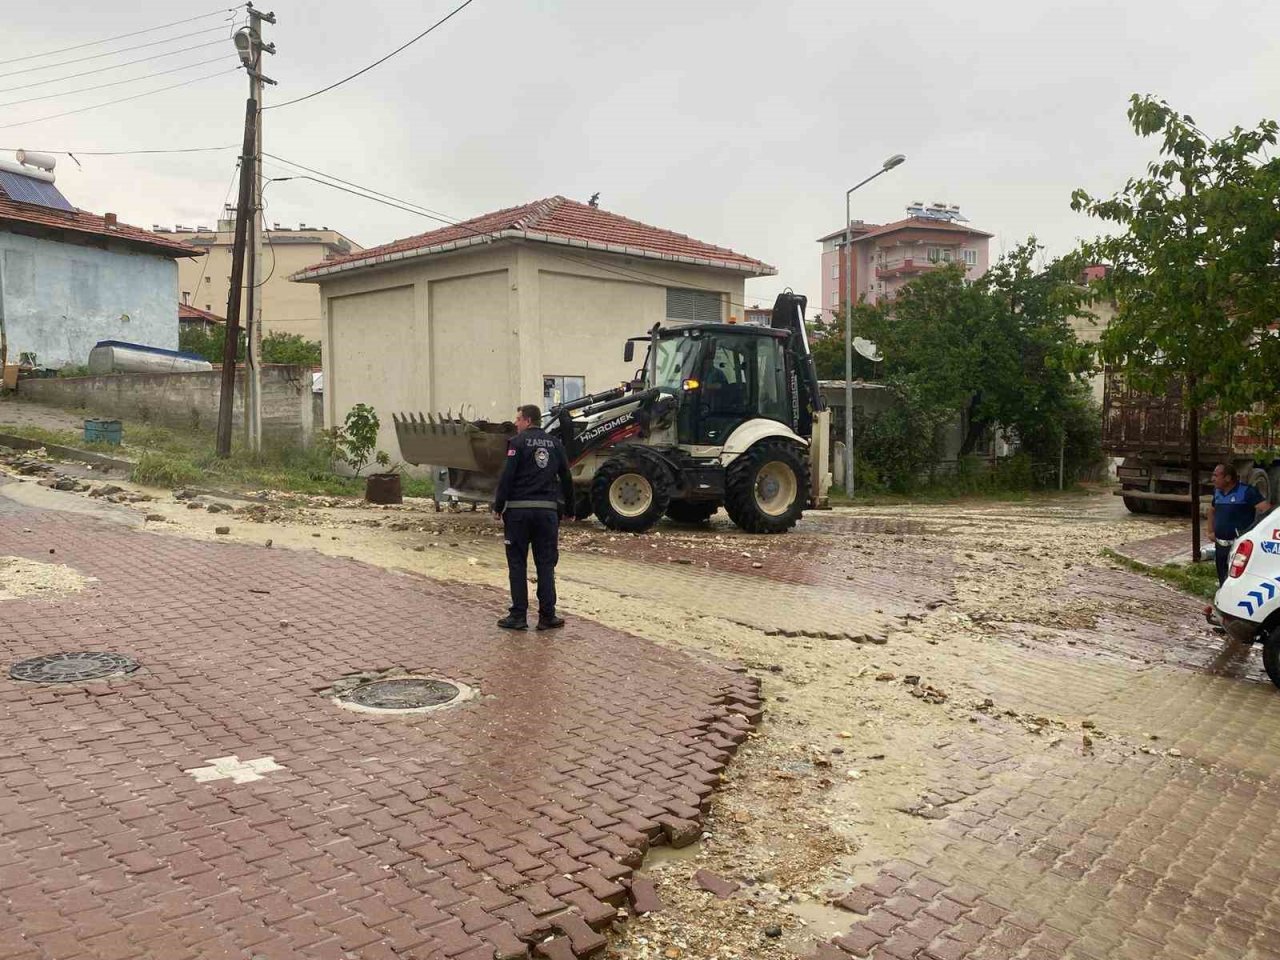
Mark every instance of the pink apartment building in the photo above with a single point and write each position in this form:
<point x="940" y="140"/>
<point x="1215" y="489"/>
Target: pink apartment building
<point x="886" y="256"/>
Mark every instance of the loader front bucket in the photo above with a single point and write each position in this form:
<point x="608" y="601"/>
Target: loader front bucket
<point x="459" y="444"/>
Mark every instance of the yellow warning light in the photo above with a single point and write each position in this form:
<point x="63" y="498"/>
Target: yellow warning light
<point x="692" y="384"/>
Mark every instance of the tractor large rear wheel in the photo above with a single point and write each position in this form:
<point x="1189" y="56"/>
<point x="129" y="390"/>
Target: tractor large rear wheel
<point x="767" y="487"/>
<point x="630" y="493"/>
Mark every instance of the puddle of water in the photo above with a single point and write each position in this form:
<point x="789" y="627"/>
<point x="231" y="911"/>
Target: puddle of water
<point x="658" y="856"/>
<point x="822" y="920"/>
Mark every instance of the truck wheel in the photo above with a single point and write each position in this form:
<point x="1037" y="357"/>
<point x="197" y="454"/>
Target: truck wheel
<point x="630" y="494"/>
<point x="692" y="511"/>
<point x="1261" y="481"/>
<point x="1134" y="505"/>
<point x="767" y="487"/>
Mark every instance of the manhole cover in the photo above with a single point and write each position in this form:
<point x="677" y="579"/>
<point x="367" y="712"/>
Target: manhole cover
<point x="402" y="693"/>
<point x="72" y="667"/>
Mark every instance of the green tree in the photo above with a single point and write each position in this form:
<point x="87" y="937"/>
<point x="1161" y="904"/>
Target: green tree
<point x="828" y="346"/>
<point x="290" y="348"/>
<point x="193" y="339"/>
<point x="1194" y="271"/>
<point x="999" y="350"/>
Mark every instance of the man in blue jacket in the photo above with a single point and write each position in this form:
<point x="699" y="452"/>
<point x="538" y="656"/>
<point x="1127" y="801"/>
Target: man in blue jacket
<point x="1234" y="511"/>
<point x="536" y="487"/>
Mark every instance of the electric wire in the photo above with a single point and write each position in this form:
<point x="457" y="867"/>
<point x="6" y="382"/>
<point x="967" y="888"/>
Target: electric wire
<point x="226" y="198"/>
<point x="114" y="83"/>
<point x="112" y="53"/>
<point x="121" y="36"/>
<point x="629" y="273"/>
<point x="112" y="103"/>
<point x="117" y="66"/>
<point x="439" y="23"/>
<point x="126" y="153"/>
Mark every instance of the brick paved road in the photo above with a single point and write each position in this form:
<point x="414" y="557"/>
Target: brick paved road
<point x="504" y="827"/>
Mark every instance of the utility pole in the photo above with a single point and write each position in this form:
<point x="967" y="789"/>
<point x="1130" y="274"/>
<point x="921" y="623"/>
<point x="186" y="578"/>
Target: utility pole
<point x="227" y="397"/>
<point x="849" y="485"/>
<point x="250" y="46"/>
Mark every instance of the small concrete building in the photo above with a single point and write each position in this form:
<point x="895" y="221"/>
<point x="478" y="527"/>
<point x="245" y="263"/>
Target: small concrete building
<point x="526" y="305"/>
<point x="205" y="281"/>
<point x="69" y="278"/>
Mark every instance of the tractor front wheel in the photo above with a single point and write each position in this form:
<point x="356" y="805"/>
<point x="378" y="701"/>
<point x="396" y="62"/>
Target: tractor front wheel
<point x="767" y="487"/>
<point x="630" y="494"/>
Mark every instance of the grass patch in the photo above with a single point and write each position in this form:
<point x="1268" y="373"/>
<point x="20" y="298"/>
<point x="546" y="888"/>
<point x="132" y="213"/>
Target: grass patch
<point x="1198" y="579"/>
<point x="167" y="458"/>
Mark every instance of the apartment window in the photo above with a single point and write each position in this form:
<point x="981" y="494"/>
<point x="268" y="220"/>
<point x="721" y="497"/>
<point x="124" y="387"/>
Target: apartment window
<point x="971" y="257"/>
<point x="946" y="256"/>
<point x="934" y="254"/>
<point x="835" y="298"/>
<point x="835" y="271"/>
<point x="694" y="306"/>
<point x="558" y="389"/>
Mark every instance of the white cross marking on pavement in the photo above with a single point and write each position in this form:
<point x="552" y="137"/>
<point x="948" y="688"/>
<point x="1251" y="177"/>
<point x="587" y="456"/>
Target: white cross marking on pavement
<point x="232" y="767"/>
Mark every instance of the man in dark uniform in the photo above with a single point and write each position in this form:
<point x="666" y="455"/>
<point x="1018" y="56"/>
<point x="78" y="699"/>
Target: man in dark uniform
<point x="1234" y="511"/>
<point x="534" y="490"/>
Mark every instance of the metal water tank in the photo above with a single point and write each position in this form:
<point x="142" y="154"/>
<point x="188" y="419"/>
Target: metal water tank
<point x="116" y="356"/>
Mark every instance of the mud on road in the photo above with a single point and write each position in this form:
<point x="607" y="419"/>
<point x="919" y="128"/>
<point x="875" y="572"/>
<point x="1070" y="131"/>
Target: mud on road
<point x="914" y="658"/>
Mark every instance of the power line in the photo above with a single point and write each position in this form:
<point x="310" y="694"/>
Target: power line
<point x="627" y="273"/>
<point x="121" y="36"/>
<point x="208" y="253"/>
<point x="126" y="153"/>
<point x="114" y="83"/>
<point x="444" y="217"/>
<point x="112" y="53"/>
<point x="116" y="66"/>
<point x="112" y="103"/>
<point x="443" y="20"/>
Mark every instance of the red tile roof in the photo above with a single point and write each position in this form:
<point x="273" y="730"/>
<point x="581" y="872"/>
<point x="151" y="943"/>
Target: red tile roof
<point x="188" y="312"/>
<point x="859" y="228"/>
<point x="90" y="224"/>
<point x="921" y="223"/>
<point x="555" y="220"/>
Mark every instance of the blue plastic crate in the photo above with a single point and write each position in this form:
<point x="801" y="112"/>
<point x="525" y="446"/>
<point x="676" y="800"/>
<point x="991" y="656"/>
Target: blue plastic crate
<point x="103" y="431"/>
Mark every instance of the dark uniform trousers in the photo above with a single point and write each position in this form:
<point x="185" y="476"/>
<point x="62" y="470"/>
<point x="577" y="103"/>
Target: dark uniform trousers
<point x="524" y="527"/>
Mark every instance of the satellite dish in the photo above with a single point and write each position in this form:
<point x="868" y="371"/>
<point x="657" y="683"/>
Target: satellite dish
<point x="867" y="349"/>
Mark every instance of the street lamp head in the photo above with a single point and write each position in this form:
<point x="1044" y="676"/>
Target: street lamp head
<point x="244" y="46"/>
<point x="894" y="161"/>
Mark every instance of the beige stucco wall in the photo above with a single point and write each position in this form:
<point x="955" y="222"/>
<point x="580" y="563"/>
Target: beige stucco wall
<point x="480" y="329"/>
<point x="287" y="307"/>
<point x="358" y="368"/>
<point x="1090" y="331"/>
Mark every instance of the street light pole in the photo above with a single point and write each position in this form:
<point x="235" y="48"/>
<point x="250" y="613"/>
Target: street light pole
<point x="849" y="485"/>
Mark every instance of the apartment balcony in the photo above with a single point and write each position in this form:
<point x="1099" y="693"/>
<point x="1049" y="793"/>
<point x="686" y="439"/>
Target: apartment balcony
<point x="906" y="267"/>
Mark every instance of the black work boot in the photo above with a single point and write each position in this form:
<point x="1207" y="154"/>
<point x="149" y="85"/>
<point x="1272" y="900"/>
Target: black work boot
<point x="512" y="622"/>
<point x="550" y="623"/>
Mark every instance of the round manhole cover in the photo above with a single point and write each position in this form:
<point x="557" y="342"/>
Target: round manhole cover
<point x="72" y="667"/>
<point x="403" y="693"/>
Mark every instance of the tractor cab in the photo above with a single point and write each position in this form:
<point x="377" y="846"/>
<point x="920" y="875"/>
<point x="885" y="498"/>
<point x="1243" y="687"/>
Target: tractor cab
<point x="721" y="376"/>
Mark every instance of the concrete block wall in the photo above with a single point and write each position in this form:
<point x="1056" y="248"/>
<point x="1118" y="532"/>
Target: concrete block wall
<point x="186" y="401"/>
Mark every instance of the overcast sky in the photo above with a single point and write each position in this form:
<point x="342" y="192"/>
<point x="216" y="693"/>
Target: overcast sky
<point x="741" y="123"/>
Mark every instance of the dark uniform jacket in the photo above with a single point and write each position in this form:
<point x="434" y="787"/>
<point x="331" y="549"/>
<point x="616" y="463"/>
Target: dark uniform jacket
<point x="536" y="474"/>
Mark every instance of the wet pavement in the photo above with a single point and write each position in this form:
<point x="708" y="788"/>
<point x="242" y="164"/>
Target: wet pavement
<point x="982" y="739"/>
<point x="215" y="803"/>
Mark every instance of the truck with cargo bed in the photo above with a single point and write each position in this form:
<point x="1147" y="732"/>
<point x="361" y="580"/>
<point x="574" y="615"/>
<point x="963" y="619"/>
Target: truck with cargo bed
<point x="1148" y="433"/>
